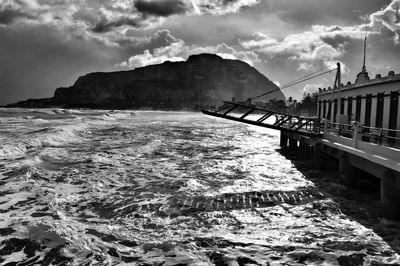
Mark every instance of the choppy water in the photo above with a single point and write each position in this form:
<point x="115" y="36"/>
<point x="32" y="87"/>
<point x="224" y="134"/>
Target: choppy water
<point x="173" y="188"/>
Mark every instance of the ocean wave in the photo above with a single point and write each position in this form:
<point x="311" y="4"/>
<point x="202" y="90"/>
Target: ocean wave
<point x="57" y="136"/>
<point x="122" y="114"/>
<point x="67" y="111"/>
<point x="57" y="160"/>
<point x="43" y="111"/>
<point x="8" y="151"/>
<point x="46" y="129"/>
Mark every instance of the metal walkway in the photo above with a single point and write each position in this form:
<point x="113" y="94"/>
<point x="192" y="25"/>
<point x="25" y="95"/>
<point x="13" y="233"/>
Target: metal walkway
<point x="299" y="125"/>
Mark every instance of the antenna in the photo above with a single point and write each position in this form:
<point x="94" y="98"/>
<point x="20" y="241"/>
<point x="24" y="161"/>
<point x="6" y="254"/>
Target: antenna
<point x="364" y="69"/>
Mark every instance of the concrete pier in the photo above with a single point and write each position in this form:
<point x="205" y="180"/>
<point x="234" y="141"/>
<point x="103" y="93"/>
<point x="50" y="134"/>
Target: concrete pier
<point x="390" y="194"/>
<point x="283" y="140"/>
<point x="372" y="160"/>
<point x="354" y="157"/>
<point x="348" y="172"/>
<point x="293" y="143"/>
<point x="320" y="158"/>
<point x="304" y="146"/>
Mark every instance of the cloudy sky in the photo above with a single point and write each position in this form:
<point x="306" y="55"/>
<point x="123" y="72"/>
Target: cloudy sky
<point x="45" y="44"/>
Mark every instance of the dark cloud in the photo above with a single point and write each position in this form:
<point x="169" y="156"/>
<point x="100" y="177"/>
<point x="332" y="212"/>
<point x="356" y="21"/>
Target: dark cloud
<point x="227" y="2"/>
<point x="160" y="8"/>
<point x="9" y="15"/>
<point x="147" y="10"/>
<point x="105" y="26"/>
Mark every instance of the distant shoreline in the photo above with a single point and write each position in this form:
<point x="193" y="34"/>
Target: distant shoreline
<point x="103" y="108"/>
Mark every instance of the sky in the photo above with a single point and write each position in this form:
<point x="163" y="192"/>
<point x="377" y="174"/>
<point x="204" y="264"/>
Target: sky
<point x="46" y="44"/>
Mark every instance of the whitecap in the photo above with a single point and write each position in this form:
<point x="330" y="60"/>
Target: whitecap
<point x="9" y="151"/>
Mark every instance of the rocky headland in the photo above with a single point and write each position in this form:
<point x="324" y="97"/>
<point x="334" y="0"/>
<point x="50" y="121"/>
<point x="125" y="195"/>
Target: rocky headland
<point x="201" y="80"/>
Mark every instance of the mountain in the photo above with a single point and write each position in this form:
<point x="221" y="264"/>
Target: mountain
<point x="204" y="79"/>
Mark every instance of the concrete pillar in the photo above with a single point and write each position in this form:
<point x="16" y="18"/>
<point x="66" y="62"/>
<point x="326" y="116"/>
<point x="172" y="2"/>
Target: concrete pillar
<point x="283" y="140"/>
<point x="326" y="124"/>
<point x="293" y="143"/>
<point x="347" y="171"/>
<point x="305" y="150"/>
<point x="390" y="194"/>
<point x="355" y="133"/>
<point x="303" y="146"/>
<point x="320" y="158"/>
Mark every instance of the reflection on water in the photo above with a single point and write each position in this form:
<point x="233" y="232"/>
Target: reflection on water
<point x="170" y="188"/>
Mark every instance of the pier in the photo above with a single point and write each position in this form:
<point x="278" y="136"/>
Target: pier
<point x="357" y="124"/>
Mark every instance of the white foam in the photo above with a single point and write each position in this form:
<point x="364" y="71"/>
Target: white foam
<point x="14" y="257"/>
<point x="122" y="115"/>
<point x="194" y="185"/>
<point x="8" y="151"/>
<point x="42" y="137"/>
<point x="44" y="111"/>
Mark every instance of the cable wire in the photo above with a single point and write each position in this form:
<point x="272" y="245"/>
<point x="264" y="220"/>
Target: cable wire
<point x="307" y="75"/>
<point x="287" y="85"/>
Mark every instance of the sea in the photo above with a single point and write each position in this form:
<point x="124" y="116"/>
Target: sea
<point x="106" y="187"/>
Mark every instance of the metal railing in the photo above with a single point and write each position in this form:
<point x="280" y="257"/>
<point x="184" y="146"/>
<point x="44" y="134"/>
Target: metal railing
<point x="344" y="130"/>
<point x="382" y="136"/>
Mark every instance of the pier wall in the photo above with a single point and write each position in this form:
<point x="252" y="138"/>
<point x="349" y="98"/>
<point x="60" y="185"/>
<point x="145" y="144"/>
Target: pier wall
<point x="353" y="155"/>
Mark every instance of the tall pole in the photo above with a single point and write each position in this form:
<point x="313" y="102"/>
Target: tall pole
<point x="365" y="44"/>
<point x="365" y="49"/>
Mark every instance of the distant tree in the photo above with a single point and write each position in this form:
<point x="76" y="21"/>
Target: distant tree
<point x="276" y="105"/>
<point x="307" y="106"/>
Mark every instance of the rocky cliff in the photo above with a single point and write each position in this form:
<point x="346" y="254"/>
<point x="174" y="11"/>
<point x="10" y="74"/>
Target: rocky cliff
<point x="203" y="79"/>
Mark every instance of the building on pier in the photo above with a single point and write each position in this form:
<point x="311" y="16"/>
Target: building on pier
<point x="371" y="102"/>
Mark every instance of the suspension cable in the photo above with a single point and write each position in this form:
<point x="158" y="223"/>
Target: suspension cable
<point x="306" y="76"/>
<point x="300" y="81"/>
<point x="294" y="83"/>
<point x="287" y="85"/>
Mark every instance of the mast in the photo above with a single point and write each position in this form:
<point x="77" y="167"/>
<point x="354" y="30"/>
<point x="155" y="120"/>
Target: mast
<point x="363" y="77"/>
<point x="338" y="78"/>
<point x="364" y="69"/>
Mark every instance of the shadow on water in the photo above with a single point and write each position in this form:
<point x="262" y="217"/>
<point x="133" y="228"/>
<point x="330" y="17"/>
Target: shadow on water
<point x="360" y="203"/>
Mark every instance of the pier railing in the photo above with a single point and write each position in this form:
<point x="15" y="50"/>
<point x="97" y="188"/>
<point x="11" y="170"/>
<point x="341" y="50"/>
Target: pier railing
<point x="344" y="130"/>
<point x="382" y="136"/>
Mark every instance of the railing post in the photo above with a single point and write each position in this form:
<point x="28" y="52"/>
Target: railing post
<point x="355" y="133"/>
<point x="325" y="121"/>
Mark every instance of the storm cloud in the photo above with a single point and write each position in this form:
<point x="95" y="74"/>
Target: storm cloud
<point x="46" y="44"/>
<point x="161" y="8"/>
